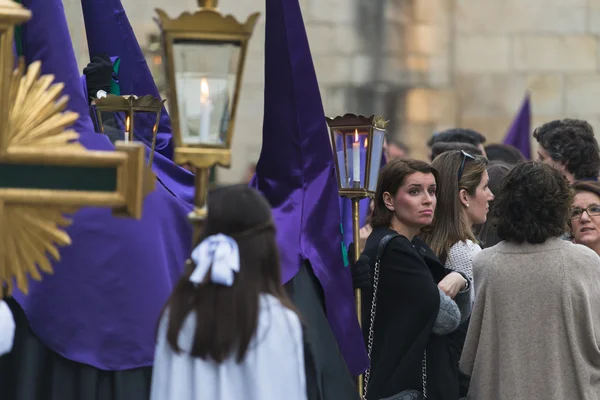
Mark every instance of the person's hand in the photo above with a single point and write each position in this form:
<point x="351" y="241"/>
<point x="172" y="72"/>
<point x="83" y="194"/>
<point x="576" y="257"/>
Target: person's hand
<point x="361" y="270"/>
<point x="452" y="284"/>
<point x="98" y="75"/>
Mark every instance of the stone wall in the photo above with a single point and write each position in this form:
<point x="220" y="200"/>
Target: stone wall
<point x="426" y="64"/>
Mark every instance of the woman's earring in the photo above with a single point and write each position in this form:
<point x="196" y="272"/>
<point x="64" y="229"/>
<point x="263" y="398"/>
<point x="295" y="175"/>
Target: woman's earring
<point x="467" y="204"/>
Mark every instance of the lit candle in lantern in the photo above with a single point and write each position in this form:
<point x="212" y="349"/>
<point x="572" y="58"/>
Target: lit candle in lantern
<point x="356" y="158"/>
<point x="205" y="109"/>
<point x="127" y="124"/>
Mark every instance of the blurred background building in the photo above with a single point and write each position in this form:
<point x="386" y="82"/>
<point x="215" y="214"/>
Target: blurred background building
<point x="425" y="64"/>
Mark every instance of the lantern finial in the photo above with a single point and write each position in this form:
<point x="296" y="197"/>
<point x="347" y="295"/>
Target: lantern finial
<point x="208" y="3"/>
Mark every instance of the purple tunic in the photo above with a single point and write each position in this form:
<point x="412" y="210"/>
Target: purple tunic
<point x="102" y="304"/>
<point x="295" y="172"/>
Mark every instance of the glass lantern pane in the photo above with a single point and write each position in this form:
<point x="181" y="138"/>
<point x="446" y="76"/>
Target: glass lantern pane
<point x="113" y="124"/>
<point x="205" y="77"/>
<point x="340" y="158"/>
<point x="352" y="154"/>
<point x="376" y="158"/>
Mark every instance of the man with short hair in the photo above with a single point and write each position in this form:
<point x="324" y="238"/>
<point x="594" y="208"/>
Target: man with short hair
<point x="442" y="147"/>
<point x="570" y="146"/>
<point x="461" y="135"/>
<point x="395" y="149"/>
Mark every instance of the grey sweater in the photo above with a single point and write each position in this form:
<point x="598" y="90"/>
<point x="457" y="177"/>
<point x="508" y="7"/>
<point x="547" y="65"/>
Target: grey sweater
<point x="535" y="328"/>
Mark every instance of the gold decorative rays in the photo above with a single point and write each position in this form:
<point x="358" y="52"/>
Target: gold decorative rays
<point x="45" y="175"/>
<point x="36" y="120"/>
<point x="36" y="117"/>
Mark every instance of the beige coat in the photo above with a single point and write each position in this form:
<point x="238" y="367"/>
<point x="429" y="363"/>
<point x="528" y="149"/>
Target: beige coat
<point x="535" y="326"/>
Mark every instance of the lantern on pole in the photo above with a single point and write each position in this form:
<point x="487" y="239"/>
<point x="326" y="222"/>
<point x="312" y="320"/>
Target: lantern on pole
<point x="116" y="116"/>
<point x="204" y="56"/>
<point x="357" y="143"/>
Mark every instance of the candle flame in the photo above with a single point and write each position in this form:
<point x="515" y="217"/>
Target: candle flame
<point x="366" y="142"/>
<point x="204" y="91"/>
<point x="127" y="124"/>
<point x="356" y="135"/>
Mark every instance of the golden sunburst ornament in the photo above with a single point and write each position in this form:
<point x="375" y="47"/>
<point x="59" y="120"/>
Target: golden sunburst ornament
<point x="37" y="120"/>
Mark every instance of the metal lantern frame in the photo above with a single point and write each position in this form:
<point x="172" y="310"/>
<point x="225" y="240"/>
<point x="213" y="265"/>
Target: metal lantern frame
<point x="130" y="105"/>
<point x="346" y="126"/>
<point x="205" y="26"/>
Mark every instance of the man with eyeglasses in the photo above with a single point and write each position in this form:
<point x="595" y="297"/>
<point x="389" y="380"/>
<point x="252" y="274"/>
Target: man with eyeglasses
<point x="569" y="145"/>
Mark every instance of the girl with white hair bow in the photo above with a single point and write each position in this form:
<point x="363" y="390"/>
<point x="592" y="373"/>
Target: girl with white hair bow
<point x="229" y="330"/>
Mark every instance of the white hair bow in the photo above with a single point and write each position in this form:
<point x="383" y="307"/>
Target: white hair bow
<point x="222" y="253"/>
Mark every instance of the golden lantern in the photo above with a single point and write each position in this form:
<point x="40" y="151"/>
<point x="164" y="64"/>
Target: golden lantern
<point x="204" y="56"/>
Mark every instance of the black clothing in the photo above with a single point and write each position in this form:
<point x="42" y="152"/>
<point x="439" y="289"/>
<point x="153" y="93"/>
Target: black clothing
<point x="31" y="371"/>
<point x="360" y="270"/>
<point x="407" y="306"/>
<point x="333" y="379"/>
<point x="98" y="75"/>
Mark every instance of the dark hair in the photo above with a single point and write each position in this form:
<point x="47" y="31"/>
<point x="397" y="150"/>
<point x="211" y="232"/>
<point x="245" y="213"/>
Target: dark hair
<point x="228" y="316"/>
<point x="587" y="186"/>
<point x="457" y="135"/>
<point x="571" y="142"/>
<point x="450" y="224"/>
<point x="486" y="232"/>
<point x="506" y="153"/>
<point x="533" y="205"/>
<point x="391" y="178"/>
<point x="399" y="144"/>
<point x="442" y="147"/>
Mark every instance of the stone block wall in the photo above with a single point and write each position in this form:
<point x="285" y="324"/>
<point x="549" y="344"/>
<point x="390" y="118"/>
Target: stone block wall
<point x="426" y="64"/>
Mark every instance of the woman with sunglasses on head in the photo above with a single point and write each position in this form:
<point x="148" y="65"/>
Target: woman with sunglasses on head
<point x="585" y="214"/>
<point x="229" y="330"/>
<point x="463" y="202"/>
<point x="406" y="317"/>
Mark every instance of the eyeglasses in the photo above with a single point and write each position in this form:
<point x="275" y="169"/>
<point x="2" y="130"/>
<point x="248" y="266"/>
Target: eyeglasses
<point x="462" y="165"/>
<point x="592" y="210"/>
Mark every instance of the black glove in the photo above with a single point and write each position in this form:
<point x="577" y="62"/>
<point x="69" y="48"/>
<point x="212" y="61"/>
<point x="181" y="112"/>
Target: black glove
<point x="98" y="75"/>
<point x="361" y="270"/>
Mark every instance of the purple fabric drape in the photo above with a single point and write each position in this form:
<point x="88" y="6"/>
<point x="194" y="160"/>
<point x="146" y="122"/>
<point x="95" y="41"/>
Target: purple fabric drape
<point x="295" y="172"/>
<point x="108" y="31"/>
<point x="101" y="305"/>
<point x="519" y="134"/>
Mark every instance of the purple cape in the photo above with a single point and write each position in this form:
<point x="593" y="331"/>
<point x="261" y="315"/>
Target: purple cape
<point x="108" y="31"/>
<point x="101" y="305"/>
<point x="295" y="173"/>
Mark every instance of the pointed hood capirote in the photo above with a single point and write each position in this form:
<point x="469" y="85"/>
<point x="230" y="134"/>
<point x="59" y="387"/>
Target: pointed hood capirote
<point x="43" y="39"/>
<point x="295" y="173"/>
<point x="109" y="32"/>
<point x="101" y="305"/>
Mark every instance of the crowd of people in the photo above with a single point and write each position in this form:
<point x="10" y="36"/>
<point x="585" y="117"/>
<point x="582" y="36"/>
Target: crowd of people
<point x="480" y="270"/>
<point x="535" y="286"/>
<point x="483" y="281"/>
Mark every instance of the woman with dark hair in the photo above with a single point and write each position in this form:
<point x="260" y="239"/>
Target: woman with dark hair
<point x="406" y="316"/>
<point x="229" y="331"/>
<point x="585" y="215"/>
<point x="487" y="232"/>
<point x="530" y="277"/>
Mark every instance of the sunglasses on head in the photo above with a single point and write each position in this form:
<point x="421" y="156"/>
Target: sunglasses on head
<point x="462" y="164"/>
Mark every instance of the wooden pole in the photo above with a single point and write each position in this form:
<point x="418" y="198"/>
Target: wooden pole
<point x="356" y="255"/>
